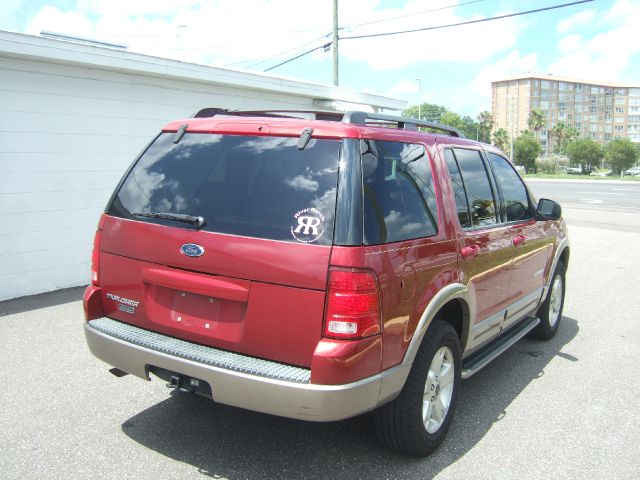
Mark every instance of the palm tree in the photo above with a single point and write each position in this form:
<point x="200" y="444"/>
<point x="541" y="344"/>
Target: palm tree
<point x="563" y="135"/>
<point x="536" y="120"/>
<point x="501" y="139"/>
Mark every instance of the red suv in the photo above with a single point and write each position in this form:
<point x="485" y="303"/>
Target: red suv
<point x="318" y="265"/>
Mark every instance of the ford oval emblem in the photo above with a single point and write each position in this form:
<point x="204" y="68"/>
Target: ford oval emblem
<point x="191" y="250"/>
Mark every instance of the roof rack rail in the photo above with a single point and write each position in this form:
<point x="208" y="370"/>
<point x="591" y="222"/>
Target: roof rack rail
<point x="351" y="117"/>
<point x="317" y="114"/>
<point x="360" y="118"/>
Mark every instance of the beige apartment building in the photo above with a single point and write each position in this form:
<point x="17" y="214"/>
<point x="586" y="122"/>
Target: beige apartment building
<point x="598" y="110"/>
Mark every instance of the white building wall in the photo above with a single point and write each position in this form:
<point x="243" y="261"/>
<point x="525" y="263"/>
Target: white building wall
<point x="69" y="131"/>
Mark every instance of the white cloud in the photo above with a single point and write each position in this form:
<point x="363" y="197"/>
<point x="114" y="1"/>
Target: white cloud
<point x="229" y="31"/>
<point x="606" y="55"/>
<point x="405" y="87"/>
<point x="218" y="33"/>
<point x="468" y="43"/>
<point x="570" y="43"/>
<point x="408" y="90"/>
<point x="581" y="18"/>
<point x="513" y="64"/>
<point x="51" y="19"/>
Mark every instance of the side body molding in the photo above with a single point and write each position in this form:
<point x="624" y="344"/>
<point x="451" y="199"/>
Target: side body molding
<point x="392" y="384"/>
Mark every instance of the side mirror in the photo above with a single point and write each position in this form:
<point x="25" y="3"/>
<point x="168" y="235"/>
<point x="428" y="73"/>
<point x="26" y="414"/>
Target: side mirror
<point x="548" y="210"/>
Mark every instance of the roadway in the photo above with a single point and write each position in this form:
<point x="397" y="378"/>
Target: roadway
<point x="594" y="203"/>
<point x="592" y="194"/>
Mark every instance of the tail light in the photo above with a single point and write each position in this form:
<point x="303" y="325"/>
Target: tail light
<point x="95" y="254"/>
<point x="353" y="305"/>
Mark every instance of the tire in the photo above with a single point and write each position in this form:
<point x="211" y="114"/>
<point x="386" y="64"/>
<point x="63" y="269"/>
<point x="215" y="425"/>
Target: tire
<point x="400" y="424"/>
<point x="550" y="312"/>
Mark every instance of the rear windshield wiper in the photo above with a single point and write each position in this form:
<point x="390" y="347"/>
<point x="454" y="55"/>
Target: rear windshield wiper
<point x="178" y="217"/>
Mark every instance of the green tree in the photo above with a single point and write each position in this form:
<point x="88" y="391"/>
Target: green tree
<point x="465" y="124"/>
<point x="501" y="139"/>
<point x="440" y="114"/>
<point x="621" y="154"/>
<point x="585" y="152"/>
<point x="536" y="120"/>
<point x="485" y="125"/>
<point x="427" y="111"/>
<point x="469" y="127"/>
<point x="562" y="135"/>
<point x="526" y="149"/>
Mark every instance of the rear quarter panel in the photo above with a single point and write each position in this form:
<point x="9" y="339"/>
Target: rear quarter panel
<point x="410" y="273"/>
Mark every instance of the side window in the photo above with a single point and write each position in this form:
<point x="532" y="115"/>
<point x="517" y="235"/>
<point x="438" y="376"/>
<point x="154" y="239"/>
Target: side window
<point x="399" y="199"/>
<point x="513" y="191"/>
<point x="476" y="181"/>
<point x="462" y="205"/>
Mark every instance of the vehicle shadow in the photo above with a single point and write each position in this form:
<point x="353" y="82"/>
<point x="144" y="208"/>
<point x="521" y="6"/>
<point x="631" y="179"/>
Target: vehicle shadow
<point x="226" y="442"/>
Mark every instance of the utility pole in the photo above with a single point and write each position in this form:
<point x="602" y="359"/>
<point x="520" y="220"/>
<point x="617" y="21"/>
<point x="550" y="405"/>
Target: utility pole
<point x="336" y="80"/>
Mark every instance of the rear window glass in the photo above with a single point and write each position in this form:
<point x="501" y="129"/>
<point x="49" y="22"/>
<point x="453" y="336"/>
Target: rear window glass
<point x="260" y="187"/>
<point x="399" y="198"/>
<point x="460" y="195"/>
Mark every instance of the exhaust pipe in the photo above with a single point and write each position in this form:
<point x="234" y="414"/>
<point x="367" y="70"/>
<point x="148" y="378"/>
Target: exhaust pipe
<point x="117" y="372"/>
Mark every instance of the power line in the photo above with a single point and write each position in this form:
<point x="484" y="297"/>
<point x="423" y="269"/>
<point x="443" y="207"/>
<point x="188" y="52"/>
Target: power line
<point x="289" y="50"/>
<point x="537" y="10"/>
<point x="418" y="13"/>
<point x="469" y="22"/>
<point x="298" y="56"/>
<point x="271" y="57"/>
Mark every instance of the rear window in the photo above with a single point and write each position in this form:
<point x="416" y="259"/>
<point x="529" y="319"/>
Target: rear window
<point x="260" y="187"/>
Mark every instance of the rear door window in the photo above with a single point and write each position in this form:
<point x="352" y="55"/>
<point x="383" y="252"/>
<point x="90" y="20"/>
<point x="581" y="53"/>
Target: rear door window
<point x="459" y="193"/>
<point x="260" y="187"/>
<point x="482" y="203"/>
<point x="399" y="197"/>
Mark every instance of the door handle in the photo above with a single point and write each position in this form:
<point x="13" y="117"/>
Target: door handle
<point x="470" y="252"/>
<point x="519" y="240"/>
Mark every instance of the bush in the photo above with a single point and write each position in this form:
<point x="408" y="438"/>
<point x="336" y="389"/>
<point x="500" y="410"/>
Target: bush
<point x="621" y="153"/>
<point x="551" y="163"/>
<point x="586" y="153"/>
<point x="525" y="151"/>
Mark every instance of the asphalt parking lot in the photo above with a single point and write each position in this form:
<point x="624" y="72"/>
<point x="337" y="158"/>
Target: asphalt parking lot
<point x="567" y="408"/>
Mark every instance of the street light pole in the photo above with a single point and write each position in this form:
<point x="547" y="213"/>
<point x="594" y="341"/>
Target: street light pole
<point x="336" y="80"/>
<point x="419" y="80"/>
<point x="178" y="39"/>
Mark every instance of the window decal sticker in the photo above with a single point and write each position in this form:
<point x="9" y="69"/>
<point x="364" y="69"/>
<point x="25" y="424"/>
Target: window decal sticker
<point x="308" y="225"/>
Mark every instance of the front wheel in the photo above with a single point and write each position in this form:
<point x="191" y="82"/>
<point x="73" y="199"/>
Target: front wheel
<point x="416" y="422"/>
<point x="550" y="312"/>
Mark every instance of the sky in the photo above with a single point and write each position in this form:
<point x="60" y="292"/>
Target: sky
<point x="451" y="66"/>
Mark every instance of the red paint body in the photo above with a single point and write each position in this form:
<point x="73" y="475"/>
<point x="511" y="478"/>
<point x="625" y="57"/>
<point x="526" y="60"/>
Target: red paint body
<point x="267" y="298"/>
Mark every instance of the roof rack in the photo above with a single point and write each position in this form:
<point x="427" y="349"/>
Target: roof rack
<point x="351" y="117"/>
<point x="408" y="123"/>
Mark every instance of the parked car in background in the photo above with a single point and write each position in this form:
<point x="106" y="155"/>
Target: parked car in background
<point x="319" y="265"/>
<point x="574" y="170"/>
<point x="520" y="168"/>
<point x="634" y="171"/>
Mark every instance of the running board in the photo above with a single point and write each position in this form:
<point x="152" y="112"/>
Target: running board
<point x="480" y="359"/>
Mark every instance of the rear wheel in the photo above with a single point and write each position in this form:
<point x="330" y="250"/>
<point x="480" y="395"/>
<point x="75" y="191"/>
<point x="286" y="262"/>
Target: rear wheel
<point x="550" y="312"/>
<point x="416" y="422"/>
